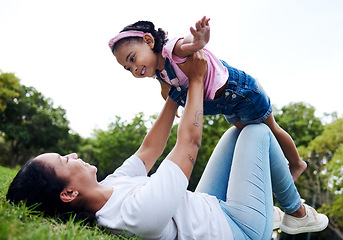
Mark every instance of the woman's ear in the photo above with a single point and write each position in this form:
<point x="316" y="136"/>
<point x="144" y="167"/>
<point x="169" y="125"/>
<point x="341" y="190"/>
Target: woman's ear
<point x="147" y="38"/>
<point x="68" y="195"/>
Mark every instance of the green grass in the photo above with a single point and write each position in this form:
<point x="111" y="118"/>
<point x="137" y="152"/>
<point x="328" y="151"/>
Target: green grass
<point x="19" y="222"/>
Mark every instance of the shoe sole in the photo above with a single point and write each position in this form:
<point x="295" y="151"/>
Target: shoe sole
<point x="276" y="225"/>
<point x="316" y="228"/>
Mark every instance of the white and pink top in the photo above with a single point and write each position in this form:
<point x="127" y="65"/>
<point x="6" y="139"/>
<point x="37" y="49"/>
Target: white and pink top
<point x="216" y="77"/>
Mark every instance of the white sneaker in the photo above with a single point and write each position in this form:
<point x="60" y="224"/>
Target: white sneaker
<point x="312" y="222"/>
<point x="278" y="215"/>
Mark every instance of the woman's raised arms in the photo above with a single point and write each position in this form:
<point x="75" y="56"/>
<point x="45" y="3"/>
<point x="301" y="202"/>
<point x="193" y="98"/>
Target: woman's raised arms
<point x="154" y="142"/>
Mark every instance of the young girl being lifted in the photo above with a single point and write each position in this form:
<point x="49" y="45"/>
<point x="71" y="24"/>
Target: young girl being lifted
<point x="147" y="52"/>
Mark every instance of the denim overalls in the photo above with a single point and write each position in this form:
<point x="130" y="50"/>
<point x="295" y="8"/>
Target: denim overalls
<point x="243" y="100"/>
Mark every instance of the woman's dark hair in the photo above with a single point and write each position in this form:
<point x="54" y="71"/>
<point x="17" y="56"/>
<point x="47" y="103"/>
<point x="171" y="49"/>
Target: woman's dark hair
<point x="159" y="35"/>
<point x="37" y="184"/>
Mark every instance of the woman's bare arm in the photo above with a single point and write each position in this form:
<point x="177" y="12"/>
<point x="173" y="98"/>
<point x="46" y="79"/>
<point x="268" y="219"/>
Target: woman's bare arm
<point x="190" y="128"/>
<point x="155" y="141"/>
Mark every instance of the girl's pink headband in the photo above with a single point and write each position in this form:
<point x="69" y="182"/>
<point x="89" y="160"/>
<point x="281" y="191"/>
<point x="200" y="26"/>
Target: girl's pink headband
<point x="125" y="34"/>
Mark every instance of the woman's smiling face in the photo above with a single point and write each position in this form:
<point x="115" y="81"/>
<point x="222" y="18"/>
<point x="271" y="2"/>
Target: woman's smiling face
<point x="70" y="167"/>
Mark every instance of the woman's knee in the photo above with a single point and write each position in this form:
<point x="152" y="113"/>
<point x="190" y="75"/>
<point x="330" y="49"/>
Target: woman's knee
<point x="254" y="128"/>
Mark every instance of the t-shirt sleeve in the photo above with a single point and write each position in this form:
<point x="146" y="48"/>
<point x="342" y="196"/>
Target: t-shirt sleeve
<point x="148" y="211"/>
<point x="167" y="51"/>
<point x="132" y="167"/>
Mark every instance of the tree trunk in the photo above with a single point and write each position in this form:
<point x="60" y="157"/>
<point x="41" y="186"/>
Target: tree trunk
<point x="14" y="154"/>
<point x="336" y="229"/>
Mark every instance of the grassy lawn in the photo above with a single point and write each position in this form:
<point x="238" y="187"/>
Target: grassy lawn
<point x="19" y="222"/>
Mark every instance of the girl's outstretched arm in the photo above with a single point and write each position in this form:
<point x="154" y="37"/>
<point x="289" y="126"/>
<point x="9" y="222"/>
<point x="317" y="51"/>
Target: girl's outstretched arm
<point x="196" y="41"/>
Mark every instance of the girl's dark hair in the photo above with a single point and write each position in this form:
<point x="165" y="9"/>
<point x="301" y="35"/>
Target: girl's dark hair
<point x="159" y="35"/>
<point x="37" y="184"/>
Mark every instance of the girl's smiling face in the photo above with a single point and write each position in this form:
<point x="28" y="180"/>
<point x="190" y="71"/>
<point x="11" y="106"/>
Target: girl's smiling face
<point x="138" y="57"/>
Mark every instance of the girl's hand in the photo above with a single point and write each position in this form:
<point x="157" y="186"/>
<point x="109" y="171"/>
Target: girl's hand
<point x="195" y="66"/>
<point x="201" y="36"/>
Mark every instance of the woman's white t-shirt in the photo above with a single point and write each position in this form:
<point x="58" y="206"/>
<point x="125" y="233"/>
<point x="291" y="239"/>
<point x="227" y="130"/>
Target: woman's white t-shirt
<point x="160" y="206"/>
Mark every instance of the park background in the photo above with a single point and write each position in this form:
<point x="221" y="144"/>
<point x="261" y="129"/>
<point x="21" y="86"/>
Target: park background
<point x="62" y="90"/>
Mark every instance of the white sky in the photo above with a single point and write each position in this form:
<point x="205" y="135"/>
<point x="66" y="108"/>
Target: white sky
<point x="294" y="48"/>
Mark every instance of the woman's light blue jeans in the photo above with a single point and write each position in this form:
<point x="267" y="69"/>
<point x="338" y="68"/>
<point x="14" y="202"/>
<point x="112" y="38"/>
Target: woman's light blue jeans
<point x="245" y="169"/>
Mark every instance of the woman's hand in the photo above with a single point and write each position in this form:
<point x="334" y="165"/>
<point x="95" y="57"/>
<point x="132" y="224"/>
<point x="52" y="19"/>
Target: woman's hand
<point x="195" y="67"/>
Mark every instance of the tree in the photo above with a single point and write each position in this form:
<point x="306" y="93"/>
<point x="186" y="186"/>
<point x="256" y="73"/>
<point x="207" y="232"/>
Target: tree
<point x="334" y="178"/>
<point x="300" y="122"/>
<point x="321" y="183"/>
<point x="119" y="142"/>
<point x="31" y="125"/>
<point x="9" y="85"/>
<point x="328" y="148"/>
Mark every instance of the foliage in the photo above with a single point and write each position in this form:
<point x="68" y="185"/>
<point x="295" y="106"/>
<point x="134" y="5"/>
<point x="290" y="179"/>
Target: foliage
<point x="321" y="184"/>
<point x="330" y="146"/>
<point x="31" y="125"/>
<point x="334" y="173"/>
<point x="9" y="85"/>
<point x="119" y="142"/>
<point x="300" y="122"/>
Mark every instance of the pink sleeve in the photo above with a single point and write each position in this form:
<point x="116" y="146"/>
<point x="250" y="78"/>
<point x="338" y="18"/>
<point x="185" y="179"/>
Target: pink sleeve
<point x="167" y="51"/>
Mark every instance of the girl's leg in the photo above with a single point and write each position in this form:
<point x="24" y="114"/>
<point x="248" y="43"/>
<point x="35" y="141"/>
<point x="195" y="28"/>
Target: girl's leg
<point x="215" y="177"/>
<point x="298" y="218"/>
<point x="296" y="165"/>
<point x="239" y="125"/>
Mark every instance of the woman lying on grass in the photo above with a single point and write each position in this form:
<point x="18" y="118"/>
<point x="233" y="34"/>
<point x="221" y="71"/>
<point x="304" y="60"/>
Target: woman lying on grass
<point x="232" y="201"/>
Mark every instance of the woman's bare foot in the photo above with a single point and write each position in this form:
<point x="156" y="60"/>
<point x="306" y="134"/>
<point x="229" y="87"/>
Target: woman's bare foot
<point x="297" y="169"/>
